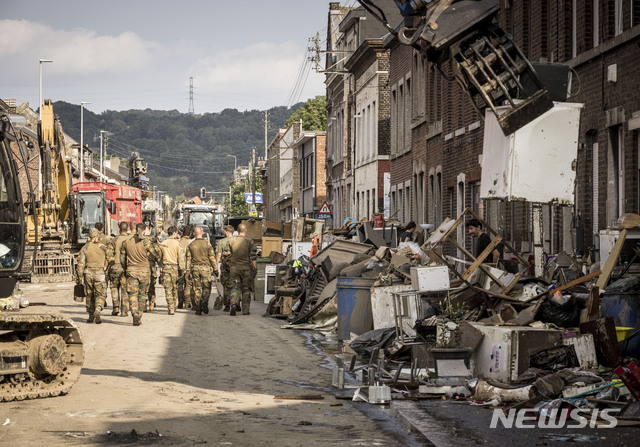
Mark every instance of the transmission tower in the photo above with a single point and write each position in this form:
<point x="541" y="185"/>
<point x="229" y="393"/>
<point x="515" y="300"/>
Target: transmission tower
<point x="191" y="110"/>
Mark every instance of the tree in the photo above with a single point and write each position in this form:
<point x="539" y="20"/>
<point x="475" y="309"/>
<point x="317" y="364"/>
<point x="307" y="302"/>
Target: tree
<point x="313" y="114"/>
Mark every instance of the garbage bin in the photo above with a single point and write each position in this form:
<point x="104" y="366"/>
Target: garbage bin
<point x="624" y="308"/>
<point x="354" y="306"/>
<point x="258" y="294"/>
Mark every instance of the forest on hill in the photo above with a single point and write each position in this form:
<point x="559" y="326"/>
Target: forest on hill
<point x="183" y="152"/>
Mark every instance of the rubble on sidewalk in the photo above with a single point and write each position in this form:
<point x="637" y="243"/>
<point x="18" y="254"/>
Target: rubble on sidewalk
<point x="416" y="323"/>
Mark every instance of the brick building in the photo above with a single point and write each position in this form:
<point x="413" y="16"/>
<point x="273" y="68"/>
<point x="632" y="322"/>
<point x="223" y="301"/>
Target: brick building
<point x="356" y="73"/>
<point x="311" y="150"/>
<point x="437" y="136"/>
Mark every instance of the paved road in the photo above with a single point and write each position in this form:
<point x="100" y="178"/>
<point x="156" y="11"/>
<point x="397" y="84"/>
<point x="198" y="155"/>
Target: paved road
<point x="189" y="380"/>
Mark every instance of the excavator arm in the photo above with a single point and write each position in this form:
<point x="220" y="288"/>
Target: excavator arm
<point x="485" y="62"/>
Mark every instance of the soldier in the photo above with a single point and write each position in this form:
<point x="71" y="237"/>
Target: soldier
<point x="132" y="227"/>
<point x="153" y="268"/>
<point x="117" y="278"/>
<point x="243" y="267"/>
<point x="184" y="285"/>
<point x="201" y="262"/>
<point x="91" y="267"/>
<point x="170" y="254"/>
<point x="104" y="239"/>
<point x="222" y="259"/>
<point x="134" y="256"/>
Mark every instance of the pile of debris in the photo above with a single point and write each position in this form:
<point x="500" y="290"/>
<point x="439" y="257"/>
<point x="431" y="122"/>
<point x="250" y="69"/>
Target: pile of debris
<point x="425" y="324"/>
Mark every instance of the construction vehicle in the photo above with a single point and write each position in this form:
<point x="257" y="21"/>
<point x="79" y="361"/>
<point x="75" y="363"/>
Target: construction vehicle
<point x="48" y="225"/>
<point x="41" y="355"/>
<point x="105" y="203"/>
<point x="485" y="62"/>
<point x="206" y="216"/>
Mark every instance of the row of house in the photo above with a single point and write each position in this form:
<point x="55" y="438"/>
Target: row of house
<point x="405" y="142"/>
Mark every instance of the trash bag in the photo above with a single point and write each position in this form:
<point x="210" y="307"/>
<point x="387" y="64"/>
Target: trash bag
<point x="378" y="338"/>
<point x="562" y="315"/>
<point x="623" y="285"/>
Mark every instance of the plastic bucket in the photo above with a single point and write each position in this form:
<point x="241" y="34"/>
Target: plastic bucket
<point x="624" y="308"/>
<point x="354" y="306"/>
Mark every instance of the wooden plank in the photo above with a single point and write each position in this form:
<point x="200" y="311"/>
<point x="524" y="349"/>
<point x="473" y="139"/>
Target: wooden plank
<point x="287" y="304"/>
<point x="485" y="254"/>
<point x="607" y="270"/>
<point x="593" y="304"/>
<point x="299" y="397"/>
<point x="568" y="285"/>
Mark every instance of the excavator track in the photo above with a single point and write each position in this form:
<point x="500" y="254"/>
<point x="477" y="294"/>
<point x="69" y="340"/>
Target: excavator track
<point x="41" y="355"/>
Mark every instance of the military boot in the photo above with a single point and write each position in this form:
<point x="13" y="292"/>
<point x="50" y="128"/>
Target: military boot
<point x="96" y="315"/>
<point x="115" y="311"/>
<point x="137" y="319"/>
<point x="234" y="310"/>
<point x="198" y="309"/>
<point x="90" y="319"/>
<point x="205" y="307"/>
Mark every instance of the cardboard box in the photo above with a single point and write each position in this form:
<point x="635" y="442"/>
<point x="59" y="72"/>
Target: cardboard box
<point x="270" y="244"/>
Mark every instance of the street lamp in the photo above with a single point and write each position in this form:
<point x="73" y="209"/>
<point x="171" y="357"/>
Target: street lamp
<point x="82" y="103"/>
<point x="40" y="104"/>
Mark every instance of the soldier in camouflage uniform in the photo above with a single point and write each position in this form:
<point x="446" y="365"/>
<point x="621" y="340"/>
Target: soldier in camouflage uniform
<point x="243" y="265"/>
<point x="170" y="254"/>
<point x="184" y="284"/>
<point x="153" y="268"/>
<point x="104" y="239"/>
<point x="134" y="256"/>
<point x="91" y="268"/>
<point x="201" y="263"/>
<point x="222" y="258"/>
<point x="117" y="278"/>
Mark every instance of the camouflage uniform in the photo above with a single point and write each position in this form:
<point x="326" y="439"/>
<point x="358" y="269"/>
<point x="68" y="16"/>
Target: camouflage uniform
<point x="242" y="273"/>
<point x="170" y="260"/>
<point x="201" y="261"/>
<point x="223" y="249"/>
<point x="134" y="256"/>
<point x="91" y="265"/>
<point x="153" y="279"/>
<point x="117" y="278"/>
<point x="184" y="283"/>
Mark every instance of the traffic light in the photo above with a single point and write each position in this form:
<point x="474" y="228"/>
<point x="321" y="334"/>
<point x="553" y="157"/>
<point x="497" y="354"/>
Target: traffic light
<point x="203" y="192"/>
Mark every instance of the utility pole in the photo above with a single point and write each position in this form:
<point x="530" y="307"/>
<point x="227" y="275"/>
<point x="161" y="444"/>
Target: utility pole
<point x="266" y="122"/>
<point x="254" y="209"/>
<point x="191" y="108"/>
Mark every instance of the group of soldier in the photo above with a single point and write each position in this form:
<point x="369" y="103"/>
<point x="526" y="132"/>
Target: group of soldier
<point x="188" y="266"/>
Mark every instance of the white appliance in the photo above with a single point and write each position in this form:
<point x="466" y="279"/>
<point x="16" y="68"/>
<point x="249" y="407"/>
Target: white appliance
<point x="269" y="282"/>
<point x="503" y="353"/>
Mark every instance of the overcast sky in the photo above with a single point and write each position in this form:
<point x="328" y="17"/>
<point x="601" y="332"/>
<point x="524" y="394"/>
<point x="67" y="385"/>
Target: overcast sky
<point x="138" y="54"/>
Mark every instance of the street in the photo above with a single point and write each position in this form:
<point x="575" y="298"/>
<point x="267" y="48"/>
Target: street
<point x="188" y="380"/>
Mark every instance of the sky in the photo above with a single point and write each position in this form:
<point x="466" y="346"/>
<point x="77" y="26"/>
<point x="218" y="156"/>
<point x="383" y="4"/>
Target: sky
<point x="138" y="54"/>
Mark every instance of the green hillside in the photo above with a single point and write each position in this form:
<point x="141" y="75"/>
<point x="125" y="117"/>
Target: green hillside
<point x="183" y="152"/>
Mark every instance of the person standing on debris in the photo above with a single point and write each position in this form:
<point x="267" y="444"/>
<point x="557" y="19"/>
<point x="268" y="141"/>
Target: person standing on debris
<point x="184" y="285"/>
<point x="222" y="259"/>
<point x="407" y="235"/>
<point x="201" y="263"/>
<point x="92" y="262"/>
<point x="117" y="278"/>
<point x="474" y="228"/>
<point x="103" y="237"/>
<point x="134" y="257"/>
<point x="170" y="253"/>
<point x="243" y="265"/>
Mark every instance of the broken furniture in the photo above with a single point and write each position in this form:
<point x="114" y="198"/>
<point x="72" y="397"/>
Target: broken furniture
<point x="447" y="233"/>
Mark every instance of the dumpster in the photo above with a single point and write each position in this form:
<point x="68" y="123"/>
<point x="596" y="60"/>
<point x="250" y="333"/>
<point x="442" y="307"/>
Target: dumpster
<point x="624" y="307"/>
<point x="258" y="294"/>
<point x="354" y="306"/>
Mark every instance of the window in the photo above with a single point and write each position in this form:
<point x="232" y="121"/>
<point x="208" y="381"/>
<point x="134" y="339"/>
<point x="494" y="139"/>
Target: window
<point x="418" y="89"/>
<point x="394" y="122"/>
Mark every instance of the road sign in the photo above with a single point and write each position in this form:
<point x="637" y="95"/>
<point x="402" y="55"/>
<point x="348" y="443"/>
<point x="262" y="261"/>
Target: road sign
<point x="324" y="216"/>
<point x="325" y="209"/>
<point x="248" y="197"/>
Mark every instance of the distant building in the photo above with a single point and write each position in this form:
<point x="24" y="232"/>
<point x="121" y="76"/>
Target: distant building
<point x="311" y="150"/>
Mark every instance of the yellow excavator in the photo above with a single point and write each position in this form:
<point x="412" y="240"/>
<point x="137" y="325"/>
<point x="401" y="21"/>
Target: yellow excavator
<point x="48" y="223"/>
<point x="41" y="355"/>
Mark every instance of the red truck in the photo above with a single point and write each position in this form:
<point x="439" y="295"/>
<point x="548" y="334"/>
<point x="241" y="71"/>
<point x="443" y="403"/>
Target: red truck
<point x="106" y="203"/>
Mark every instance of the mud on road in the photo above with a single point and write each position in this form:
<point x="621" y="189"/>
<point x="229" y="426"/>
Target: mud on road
<point x="190" y="380"/>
